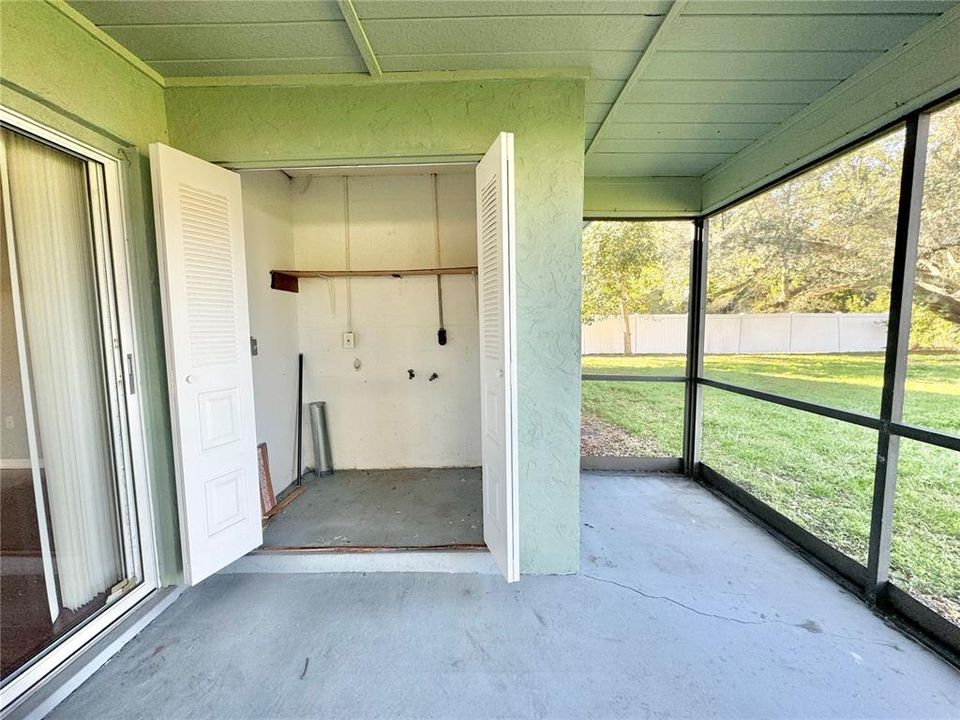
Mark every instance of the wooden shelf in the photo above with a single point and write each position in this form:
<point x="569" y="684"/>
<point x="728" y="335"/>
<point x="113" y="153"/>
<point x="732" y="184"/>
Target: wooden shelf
<point x="288" y="280"/>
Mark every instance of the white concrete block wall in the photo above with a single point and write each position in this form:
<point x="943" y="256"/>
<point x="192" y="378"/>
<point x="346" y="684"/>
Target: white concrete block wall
<point x="268" y="238"/>
<point x="378" y="417"/>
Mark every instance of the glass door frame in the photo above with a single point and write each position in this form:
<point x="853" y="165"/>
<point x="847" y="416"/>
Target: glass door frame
<point x="128" y="441"/>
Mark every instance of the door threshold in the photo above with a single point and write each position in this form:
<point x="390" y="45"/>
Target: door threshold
<point x="452" y="547"/>
<point x="354" y="559"/>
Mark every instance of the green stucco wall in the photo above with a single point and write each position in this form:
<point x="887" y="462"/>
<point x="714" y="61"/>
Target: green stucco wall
<point x="53" y="71"/>
<point x="288" y="125"/>
<point x="87" y="89"/>
<point x="47" y="56"/>
<point x="652" y="197"/>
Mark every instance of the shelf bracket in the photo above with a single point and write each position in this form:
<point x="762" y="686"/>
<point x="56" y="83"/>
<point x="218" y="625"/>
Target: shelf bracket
<point x="282" y="281"/>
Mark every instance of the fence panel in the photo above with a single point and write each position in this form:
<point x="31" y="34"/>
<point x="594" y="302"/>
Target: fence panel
<point x="602" y="337"/>
<point x="660" y="334"/>
<point x="814" y="332"/>
<point x="744" y="333"/>
<point x="863" y="333"/>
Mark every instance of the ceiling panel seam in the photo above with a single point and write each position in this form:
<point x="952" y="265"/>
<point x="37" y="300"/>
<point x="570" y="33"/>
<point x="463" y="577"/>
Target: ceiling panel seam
<point x="257" y="58"/>
<point x="360" y="38"/>
<point x="232" y="23"/>
<point x="646" y="55"/>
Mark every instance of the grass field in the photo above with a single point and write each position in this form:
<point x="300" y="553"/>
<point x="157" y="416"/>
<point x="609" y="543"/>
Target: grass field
<point x="816" y="471"/>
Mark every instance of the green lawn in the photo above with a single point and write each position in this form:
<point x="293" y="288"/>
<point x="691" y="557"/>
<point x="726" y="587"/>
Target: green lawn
<point x="817" y="471"/>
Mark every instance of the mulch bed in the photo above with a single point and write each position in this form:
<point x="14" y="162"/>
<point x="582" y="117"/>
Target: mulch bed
<point x="599" y="438"/>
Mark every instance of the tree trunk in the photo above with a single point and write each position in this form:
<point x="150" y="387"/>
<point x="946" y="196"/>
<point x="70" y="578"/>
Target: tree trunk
<point x="627" y="335"/>
<point x="784" y="286"/>
<point x="937" y="299"/>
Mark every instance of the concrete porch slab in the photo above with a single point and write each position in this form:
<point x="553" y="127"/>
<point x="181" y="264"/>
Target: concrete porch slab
<point x="682" y="609"/>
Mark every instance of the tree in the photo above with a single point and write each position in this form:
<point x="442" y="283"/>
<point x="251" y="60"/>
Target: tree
<point x="823" y="242"/>
<point x="938" y="262"/>
<point x="634" y="267"/>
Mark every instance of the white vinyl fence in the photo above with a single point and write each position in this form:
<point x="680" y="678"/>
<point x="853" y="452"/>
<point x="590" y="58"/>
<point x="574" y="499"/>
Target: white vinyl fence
<point x="745" y="333"/>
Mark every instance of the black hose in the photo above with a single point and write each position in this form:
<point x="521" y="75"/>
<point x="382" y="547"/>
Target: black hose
<point x="300" y="420"/>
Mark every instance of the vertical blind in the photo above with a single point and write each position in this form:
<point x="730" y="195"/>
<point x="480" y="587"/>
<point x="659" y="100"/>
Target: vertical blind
<point x="54" y="252"/>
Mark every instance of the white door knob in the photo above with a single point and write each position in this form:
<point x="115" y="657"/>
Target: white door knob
<point x="191" y="378"/>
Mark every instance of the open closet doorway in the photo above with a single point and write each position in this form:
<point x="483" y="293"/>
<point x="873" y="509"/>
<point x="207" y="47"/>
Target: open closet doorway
<point x="395" y="287"/>
<point x="394" y="357"/>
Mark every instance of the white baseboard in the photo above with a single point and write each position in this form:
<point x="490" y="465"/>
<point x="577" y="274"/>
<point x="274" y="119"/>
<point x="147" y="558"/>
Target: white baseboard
<point x="16" y="464"/>
<point x="25" y="564"/>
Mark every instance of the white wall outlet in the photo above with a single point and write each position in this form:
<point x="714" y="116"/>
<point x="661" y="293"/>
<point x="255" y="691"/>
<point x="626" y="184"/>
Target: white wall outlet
<point x="349" y="341"/>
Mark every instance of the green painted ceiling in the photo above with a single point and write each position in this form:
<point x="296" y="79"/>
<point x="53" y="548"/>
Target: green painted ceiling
<point x="721" y="74"/>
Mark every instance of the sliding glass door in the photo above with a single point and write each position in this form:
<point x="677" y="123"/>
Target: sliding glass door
<point x="69" y="532"/>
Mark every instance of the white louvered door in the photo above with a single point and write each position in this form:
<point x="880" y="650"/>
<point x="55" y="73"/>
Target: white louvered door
<point x="496" y="230"/>
<point x="199" y="221"/>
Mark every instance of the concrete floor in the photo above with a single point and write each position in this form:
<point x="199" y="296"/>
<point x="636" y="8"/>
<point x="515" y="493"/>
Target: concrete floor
<point x="388" y="508"/>
<point x="682" y="609"/>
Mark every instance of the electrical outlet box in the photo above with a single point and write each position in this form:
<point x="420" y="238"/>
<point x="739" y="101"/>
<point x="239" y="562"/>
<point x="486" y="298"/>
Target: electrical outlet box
<point x="349" y="341"/>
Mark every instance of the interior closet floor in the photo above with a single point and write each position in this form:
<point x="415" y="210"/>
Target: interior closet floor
<point x="387" y="508"/>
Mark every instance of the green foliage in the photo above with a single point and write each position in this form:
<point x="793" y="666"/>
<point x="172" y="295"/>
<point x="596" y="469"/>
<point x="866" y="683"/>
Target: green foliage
<point x="823" y="242"/>
<point x="635" y="267"/>
<point x="929" y="331"/>
<point x="938" y="264"/>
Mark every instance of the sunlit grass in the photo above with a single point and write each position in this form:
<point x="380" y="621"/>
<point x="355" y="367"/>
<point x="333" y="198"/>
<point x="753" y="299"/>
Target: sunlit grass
<point x="846" y="381"/>
<point x="817" y="471"/>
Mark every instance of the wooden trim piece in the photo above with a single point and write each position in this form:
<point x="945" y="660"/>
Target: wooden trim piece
<point x="287" y="280"/>
<point x="669" y="20"/>
<point x="570" y="72"/>
<point x="360" y="38"/>
<point x="268" y="499"/>
<point x="282" y="505"/>
<point x="589" y="463"/>
<point x="898" y="343"/>
<point x="467" y="270"/>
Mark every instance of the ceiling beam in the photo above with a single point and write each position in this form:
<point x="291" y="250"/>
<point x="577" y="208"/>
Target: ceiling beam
<point x="360" y="38"/>
<point x="642" y="64"/>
